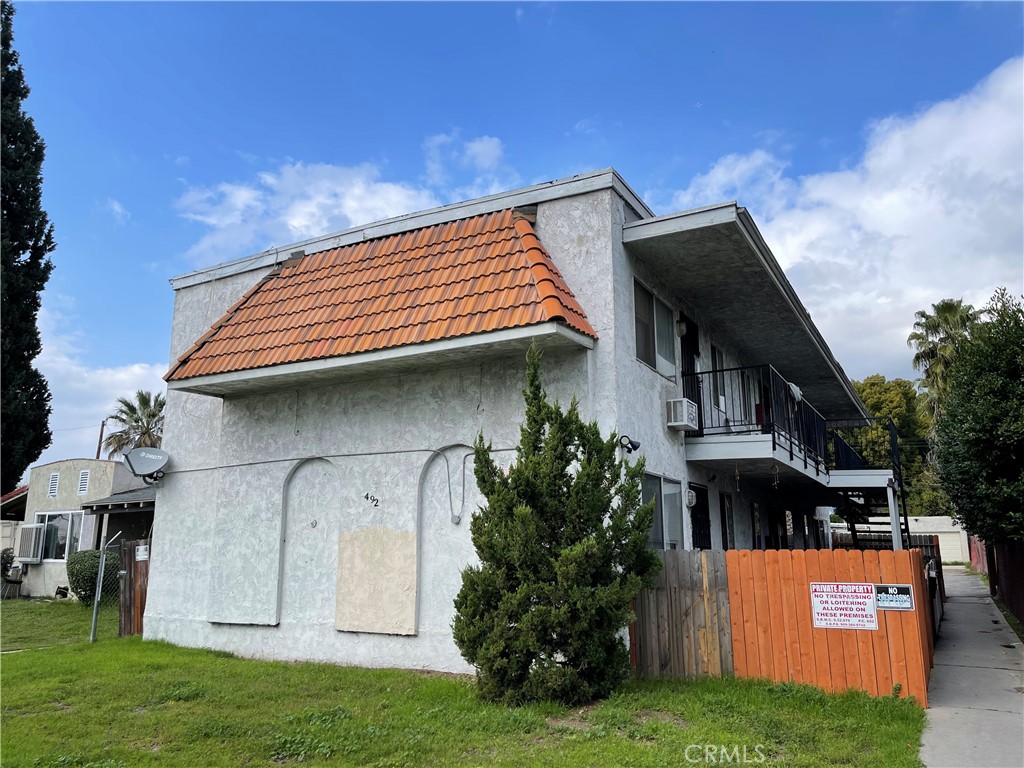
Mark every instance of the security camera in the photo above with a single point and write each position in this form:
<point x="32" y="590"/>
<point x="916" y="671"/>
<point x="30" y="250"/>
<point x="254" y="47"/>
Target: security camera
<point x="628" y="444"/>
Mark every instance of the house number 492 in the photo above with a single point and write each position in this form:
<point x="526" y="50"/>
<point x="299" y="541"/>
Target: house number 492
<point x="372" y="500"/>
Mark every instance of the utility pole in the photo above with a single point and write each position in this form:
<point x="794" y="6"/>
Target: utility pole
<point x="99" y="443"/>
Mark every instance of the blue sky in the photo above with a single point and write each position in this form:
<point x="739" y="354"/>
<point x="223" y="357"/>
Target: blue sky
<point x="879" y="146"/>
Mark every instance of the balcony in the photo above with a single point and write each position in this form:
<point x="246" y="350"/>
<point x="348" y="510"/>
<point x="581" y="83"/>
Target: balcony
<point x="756" y="408"/>
<point x="754" y="422"/>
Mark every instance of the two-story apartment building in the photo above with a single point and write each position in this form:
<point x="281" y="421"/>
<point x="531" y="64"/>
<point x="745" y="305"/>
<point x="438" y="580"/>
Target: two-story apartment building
<point x="325" y="396"/>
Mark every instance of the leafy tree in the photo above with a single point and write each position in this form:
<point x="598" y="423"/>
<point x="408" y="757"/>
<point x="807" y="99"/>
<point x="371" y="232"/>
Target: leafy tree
<point x="562" y="543"/>
<point x="142" y="423"/>
<point x="936" y="339"/>
<point x="926" y="495"/>
<point x="981" y="428"/>
<point x="27" y="238"/>
<point x="899" y="400"/>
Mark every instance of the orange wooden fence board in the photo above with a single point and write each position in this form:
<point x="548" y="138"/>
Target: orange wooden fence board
<point x="749" y="613"/>
<point x="772" y="626"/>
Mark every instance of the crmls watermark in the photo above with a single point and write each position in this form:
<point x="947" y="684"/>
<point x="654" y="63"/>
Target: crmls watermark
<point x="725" y="754"/>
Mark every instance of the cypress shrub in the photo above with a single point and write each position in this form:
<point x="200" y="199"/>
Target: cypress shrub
<point x="562" y="542"/>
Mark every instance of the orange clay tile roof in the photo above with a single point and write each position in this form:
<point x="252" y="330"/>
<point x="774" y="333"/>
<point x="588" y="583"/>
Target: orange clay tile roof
<point x="485" y="273"/>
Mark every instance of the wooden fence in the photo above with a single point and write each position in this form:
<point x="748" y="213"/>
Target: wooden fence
<point x="134" y="586"/>
<point x="928" y="544"/>
<point x="749" y="613"/>
<point x="682" y="627"/>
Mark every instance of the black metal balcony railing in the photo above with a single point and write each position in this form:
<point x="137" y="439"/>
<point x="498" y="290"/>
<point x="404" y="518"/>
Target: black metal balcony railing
<point x="758" y="399"/>
<point x="864" y="444"/>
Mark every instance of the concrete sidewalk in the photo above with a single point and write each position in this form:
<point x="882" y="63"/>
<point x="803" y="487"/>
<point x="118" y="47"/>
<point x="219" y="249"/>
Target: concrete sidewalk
<point x="976" y="692"/>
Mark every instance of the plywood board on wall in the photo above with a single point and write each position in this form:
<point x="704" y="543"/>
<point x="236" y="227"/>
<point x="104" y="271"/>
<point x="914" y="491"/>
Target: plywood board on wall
<point x="376" y="582"/>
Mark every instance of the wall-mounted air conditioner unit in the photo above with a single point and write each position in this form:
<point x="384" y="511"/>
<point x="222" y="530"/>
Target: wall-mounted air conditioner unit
<point x="30" y="543"/>
<point x="682" y="414"/>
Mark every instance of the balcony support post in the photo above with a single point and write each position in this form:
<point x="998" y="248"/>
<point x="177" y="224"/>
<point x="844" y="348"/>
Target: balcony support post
<point x="894" y="517"/>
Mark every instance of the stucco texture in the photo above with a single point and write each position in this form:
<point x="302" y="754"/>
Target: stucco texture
<point x="280" y="504"/>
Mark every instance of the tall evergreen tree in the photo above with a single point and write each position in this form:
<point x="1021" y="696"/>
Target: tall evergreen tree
<point x="27" y="237"/>
<point x="562" y="543"/>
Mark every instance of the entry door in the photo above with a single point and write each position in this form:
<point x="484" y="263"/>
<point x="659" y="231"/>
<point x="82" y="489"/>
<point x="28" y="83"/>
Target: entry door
<point x="689" y="347"/>
<point x="700" y="518"/>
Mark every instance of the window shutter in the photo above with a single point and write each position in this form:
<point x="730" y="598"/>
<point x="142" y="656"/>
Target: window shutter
<point x="54" y="481"/>
<point x="83" y="482"/>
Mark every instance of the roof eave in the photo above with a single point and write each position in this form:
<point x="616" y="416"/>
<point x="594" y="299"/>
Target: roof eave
<point x="393" y="360"/>
<point x="671" y="241"/>
<point x="782" y="282"/>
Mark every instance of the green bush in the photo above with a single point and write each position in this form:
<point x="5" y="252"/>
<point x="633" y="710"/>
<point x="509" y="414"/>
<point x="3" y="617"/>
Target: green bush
<point x="6" y="561"/>
<point x="563" y="551"/>
<point x="82" y="570"/>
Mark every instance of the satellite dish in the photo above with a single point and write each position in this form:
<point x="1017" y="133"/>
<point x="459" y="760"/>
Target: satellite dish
<point x="147" y="462"/>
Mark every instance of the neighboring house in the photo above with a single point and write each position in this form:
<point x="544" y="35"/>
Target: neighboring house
<point x="55" y="525"/>
<point x="325" y="397"/>
<point x="12" y="514"/>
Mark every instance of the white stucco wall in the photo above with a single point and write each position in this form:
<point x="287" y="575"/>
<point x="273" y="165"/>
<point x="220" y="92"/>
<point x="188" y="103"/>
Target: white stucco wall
<point x="245" y="560"/>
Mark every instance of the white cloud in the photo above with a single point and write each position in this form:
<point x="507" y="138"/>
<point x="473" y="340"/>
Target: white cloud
<point x="81" y="395"/>
<point x="484" y="153"/>
<point x="294" y="202"/>
<point x="448" y="157"/>
<point x="302" y="200"/>
<point x="119" y="212"/>
<point x="933" y="209"/>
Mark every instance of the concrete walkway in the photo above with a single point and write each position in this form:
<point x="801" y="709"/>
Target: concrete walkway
<point x="976" y="692"/>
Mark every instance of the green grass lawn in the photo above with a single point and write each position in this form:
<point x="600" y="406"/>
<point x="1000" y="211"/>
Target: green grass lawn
<point x="126" y="702"/>
<point x="41" y="623"/>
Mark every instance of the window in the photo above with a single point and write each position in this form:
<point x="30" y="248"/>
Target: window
<point x="83" y="482"/>
<point x="655" y="331"/>
<point x="652" y="490"/>
<point x="667" y="525"/>
<point x="61" y="532"/>
<point x="717" y="378"/>
<point x="725" y="509"/>
<point x="54" y="482"/>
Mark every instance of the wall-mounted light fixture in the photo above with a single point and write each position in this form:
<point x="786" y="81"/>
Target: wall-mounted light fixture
<point x="628" y="444"/>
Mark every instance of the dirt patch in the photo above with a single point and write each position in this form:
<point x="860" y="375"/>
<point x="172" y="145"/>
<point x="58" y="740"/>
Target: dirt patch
<point x="449" y="675"/>
<point x="576" y="720"/>
<point x="62" y="706"/>
<point x="657" y="716"/>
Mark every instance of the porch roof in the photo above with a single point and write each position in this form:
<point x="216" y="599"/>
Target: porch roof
<point x="715" y="260"/>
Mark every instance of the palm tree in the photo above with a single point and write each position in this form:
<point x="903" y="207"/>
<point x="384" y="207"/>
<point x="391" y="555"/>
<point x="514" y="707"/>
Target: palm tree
<point x="936" y="338"/>
<point x="142" y="422"/>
